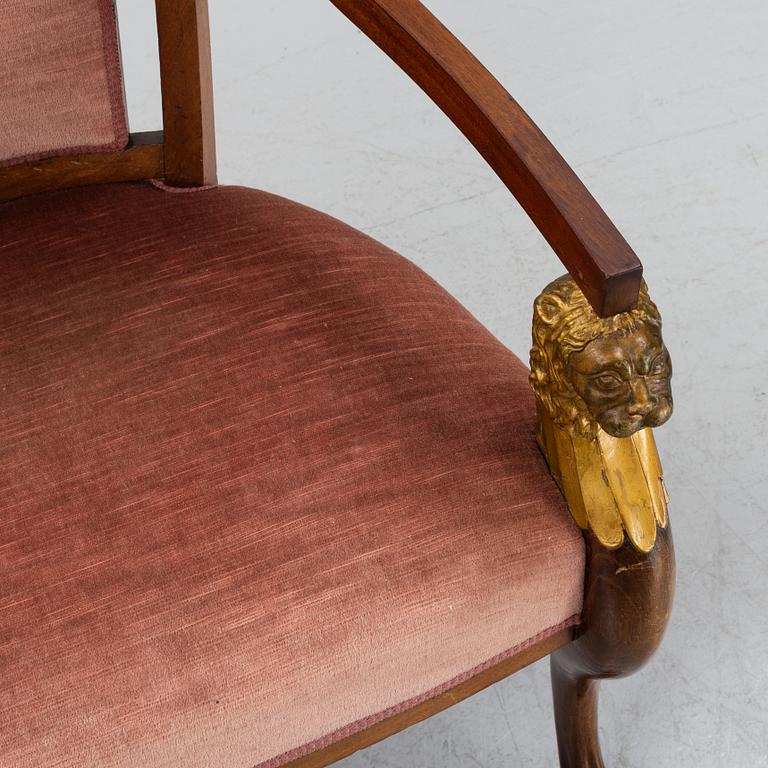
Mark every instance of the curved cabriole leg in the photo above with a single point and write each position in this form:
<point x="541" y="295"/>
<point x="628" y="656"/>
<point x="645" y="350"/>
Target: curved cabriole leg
<point x="628" y="599"/>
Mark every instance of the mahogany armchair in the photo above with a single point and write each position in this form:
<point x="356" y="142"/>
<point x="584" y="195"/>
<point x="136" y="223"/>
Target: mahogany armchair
<point x="269" y="494"/>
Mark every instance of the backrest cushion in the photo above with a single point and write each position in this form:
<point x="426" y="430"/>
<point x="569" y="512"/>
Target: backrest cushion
<point x="61" y="89"/>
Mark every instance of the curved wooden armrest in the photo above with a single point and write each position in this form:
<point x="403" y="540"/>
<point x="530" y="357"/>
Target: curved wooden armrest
<point x="584" y="238"/>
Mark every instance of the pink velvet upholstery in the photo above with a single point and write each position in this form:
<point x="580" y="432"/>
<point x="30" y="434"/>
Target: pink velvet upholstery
<point x="61" y="90"/>
<point x="262" y="482"/>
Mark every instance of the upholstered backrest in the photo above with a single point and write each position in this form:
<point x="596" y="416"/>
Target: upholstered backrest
<point x="61" y="89"/>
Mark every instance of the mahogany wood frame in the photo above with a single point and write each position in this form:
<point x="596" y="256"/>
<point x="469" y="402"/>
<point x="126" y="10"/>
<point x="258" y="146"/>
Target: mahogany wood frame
<point x="628" y="594"/>
<point x="141" y="159"/>
<point x="183" y="154"/>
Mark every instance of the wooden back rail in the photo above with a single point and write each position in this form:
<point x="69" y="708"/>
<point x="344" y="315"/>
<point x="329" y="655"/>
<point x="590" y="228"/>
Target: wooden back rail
<point x="581" y="234"/>
<point x="183" y="153"/>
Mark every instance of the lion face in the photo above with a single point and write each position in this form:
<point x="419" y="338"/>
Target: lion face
<point x="624" y="380"/>
<point x="589" y="371"/>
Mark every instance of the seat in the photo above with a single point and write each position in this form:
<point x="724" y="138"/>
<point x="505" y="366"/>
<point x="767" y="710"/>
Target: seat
<point x="264" y="483"/>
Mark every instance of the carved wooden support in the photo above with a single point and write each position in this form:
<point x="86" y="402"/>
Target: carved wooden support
<point x="627" y="602"/>
<point x="601" y="385"/>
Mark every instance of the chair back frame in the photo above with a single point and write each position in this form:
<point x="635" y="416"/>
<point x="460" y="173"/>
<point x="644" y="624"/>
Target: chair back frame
<point x="183" y="154"/>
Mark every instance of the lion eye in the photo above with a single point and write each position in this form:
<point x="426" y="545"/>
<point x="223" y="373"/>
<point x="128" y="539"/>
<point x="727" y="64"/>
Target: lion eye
<point x="659" y="367"/>
<point x="608" y="381"/>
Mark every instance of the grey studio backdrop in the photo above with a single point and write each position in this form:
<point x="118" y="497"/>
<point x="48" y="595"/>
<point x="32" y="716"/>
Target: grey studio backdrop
<point x="662" y="109"/>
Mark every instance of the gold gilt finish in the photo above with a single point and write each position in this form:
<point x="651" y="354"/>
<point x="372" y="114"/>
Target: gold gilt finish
<point x="601" y="384"/>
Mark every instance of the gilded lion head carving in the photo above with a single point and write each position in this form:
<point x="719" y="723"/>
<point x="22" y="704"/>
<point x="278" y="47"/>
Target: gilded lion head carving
<point x="587" y="371"/>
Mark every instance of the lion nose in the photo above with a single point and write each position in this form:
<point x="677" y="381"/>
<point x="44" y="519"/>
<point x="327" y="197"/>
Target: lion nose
<point x="642" y="402"/>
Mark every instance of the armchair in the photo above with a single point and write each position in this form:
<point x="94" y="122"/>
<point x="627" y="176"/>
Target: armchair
<point x="271" y="494"/>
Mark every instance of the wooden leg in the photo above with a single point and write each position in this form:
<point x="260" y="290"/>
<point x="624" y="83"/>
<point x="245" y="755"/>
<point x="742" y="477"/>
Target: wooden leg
<point x="575" y="700"/>
<point x="628" y="598"/>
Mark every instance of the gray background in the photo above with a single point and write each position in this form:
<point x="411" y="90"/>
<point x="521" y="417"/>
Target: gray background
<point x="662" y="108"/>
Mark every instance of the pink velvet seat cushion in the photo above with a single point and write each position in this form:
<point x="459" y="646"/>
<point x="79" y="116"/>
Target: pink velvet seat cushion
<point x="61" y="89"/>
<point x="262" y="481"/>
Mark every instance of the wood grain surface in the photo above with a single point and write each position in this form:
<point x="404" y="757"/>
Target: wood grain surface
<point x="187" y="89"/>
<point x="141" y="159"/>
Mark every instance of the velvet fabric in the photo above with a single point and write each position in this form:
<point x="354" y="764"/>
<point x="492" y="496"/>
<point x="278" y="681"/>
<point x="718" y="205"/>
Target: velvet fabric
<point x="262" y="483"/>
<point x="61" y="90"/>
